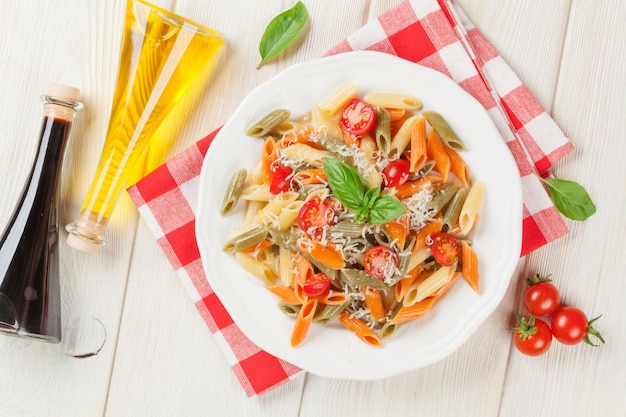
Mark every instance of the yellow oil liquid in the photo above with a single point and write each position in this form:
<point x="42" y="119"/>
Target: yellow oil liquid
<point x="162" y="56"/>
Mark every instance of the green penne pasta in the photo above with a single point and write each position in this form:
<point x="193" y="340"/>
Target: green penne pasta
<point x="388" y="330"/>
<point x="289" y="310"/>
<point x="233" y="191"/>
<point x="337" y="147"/>
<point x="328" y="313"/>
<point x="246" y="239"/>
<point x="383" y="130"/>
<point x="357" y="278"/>
<point x="451" y="214"/>
<point x="267" y="123"/>
<point x="284" y="239"/>
<point x="443" y="129"/>
<point x="348" y="229"/>
<point x="442" y="198"/>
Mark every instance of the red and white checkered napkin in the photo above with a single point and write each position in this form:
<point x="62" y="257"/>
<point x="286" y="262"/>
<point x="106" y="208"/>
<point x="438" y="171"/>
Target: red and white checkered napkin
<point x="432" y="33"/>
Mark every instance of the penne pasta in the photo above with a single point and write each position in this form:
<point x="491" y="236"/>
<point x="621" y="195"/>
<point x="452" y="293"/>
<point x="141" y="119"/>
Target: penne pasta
<point x="436" y="151"/>
<point x="256" y="268"/>
<point x="360" y="329"/>
<point x="233" y="191"/>
<point x="418" y="154"/>
<point x="323" y="120"/>
<point x="303" y="322"/>
<point x="443" y="129"/>
<point x="268" y="122"/>
<point x="469" y="266"/>
<point x="470" y="208"/>
<point x="402" y="138"/>
<point x="393" y="100"/>
<point x="374" y="303"/>
<point x="335" y="101"/>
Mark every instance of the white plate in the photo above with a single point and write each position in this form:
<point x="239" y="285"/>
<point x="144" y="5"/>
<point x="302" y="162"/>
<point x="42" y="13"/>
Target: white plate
<point x="331" y="350"/>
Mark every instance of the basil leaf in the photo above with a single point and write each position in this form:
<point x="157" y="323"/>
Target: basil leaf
<point x="348" y="186"/>
<point x="385" y="209"/>
<point x="570" y="198"/>
<point x="281" y="31"/>
<point x="370" y="198"/>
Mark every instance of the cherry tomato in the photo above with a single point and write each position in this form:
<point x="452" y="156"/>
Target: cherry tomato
<point x="541" y="299"/>
<point x="281" y="180"/>
<point x="380" y="262"/>
<point x="445" y="248"/>
<point x="315" y="218"/>
<point x="357" y="117"/>
<point x="532" y="337"/>
<point x="396" y="172"/>
<point x="316" y="285"/>
<point x="570" y="327"/>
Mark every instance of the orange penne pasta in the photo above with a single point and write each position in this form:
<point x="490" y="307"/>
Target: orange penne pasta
<point x="407" y="313"/>
<point x="302" y="268"/>
<point x="398" y="229"/>
<point x="435" y="150"/>
<point x="458" y="166"/>
<point x="374" y="303"/>
<point x="415" y="186"/>
<point x="360" y="329"/>
<point x="303" y="322"/>
<point x="469" y="266"/>
<point x="350" y="139"/>
<point x="328" y="256"/>
<point x="404" y="283"/>
<point x="264" y="244"/>
<point x="418" y="145"/>
<point x="286" y="293"/>
<point x="396" y="114"/>
<point x="268" y="156"/>
<point x="422" y="235"/>
<point x="311" y="176"/>
<point x="333" y="298"/>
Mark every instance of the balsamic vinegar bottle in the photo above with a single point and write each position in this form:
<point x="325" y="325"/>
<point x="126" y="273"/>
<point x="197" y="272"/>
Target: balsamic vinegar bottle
<point x="30" y="298"/>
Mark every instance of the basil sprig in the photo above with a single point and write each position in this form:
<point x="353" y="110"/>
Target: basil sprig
<point x="281" y="31"/>
<point x="350" y="188"/>
<point x="570" y="198"/>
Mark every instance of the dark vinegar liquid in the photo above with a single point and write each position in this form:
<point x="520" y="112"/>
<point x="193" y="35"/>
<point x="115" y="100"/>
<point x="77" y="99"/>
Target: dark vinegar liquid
<point x="28" y="249"/>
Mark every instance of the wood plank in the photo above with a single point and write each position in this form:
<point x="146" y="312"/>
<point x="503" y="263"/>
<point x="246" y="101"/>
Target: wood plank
<point x="42" y="44"/>
<point x="588" y="264"/>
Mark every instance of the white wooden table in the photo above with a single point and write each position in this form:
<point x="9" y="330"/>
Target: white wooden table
<point x="159" y="358"/>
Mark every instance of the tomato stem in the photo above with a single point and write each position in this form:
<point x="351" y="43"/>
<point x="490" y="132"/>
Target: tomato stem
<point x="525" y="328"/>
<point x="537" y="279"/>
<point x="593" y="332"/>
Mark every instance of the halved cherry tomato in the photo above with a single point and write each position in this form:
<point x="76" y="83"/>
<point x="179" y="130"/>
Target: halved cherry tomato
<point x="380" y="262"/>
<point x="445" y="248"/>
<point x="316" y="285"/>
<point x="357" y="116"/>
<point x="315" y="218"/>
<point x="281" y="180"/>
<point x="532" y="337"/>
<point x="396" y="172"/>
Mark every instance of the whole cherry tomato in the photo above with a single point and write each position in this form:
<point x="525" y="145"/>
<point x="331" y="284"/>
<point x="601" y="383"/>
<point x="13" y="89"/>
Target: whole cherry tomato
<point x="570" y="327"/>
<point x="532" y="337"/>
<point x="445" y="248"/>
<point x="541" y="298"/>
<point x="357" y="117"/>
<point x="316" y="285"/>
<point x="396" y="172"/>
<point x="380" y="262"/>
<point x="315" y="218"/>
<point x="281" y="180"/>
